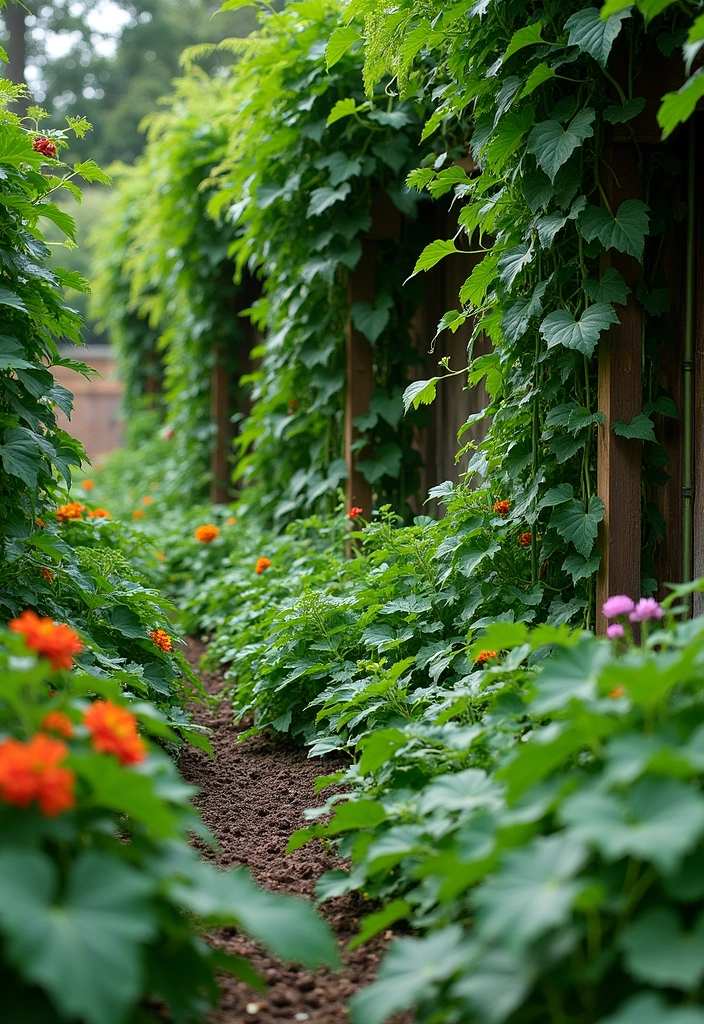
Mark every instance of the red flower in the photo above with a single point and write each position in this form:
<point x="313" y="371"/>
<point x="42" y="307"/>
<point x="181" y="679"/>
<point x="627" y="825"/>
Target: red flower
<point x="484" y="656"/>
<point x="30" y="771"/>
<point x="162" y="639"/>
<point x="57" y="643"/>
<point x="354" y="512"/>
<point x="46" y="147"/>
<point x="207" y="533"/>
<point x="262" y="564"/>
<point x="525" y="540"/>
<point x="114" y="731"/>
<point x="57" y="721"/>
<point x="502" y="507"/>
<point x="46" y="574"/>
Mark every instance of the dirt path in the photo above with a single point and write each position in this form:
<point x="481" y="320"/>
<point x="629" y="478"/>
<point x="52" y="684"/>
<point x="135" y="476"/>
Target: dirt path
<point x="252" y="797"/>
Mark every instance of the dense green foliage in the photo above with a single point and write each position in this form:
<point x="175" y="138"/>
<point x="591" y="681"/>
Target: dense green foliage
<point x="102" y="897"/>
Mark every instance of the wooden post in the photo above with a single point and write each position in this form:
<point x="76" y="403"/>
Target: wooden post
<point x="620" y="397"/>
<point x="359" y="379"/>
<point x="220" y="491"/>
<point x="386" y="224"/>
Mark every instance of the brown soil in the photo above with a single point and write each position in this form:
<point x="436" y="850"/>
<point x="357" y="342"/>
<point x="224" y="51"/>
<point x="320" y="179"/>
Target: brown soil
<point x="252" y="797"/>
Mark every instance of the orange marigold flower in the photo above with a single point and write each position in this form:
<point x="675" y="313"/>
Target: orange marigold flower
<point x="138" y="514"/>
<point x="262" y="564"/>
<point x="502" y="507"/>
<point x="30" y="771"/>
<point x="354" y="512"/>
<point x="74" y="510"/>
<point x="206" y="533"/>
<point x="46" y="574"/>
<point x="114" y="731"/>
<point x="231" y="520"/>
<point x="525" y="540"/>
<point x="57" y="721"/>
<point x="99" y="513"/>
<point x="484" y="656"/>
<point x="618" y="691"/>
<point x="57" y="643"/>
<point x="88" y="485"/>
<point x="161" y="638"/>
<point x="147" y="500"/>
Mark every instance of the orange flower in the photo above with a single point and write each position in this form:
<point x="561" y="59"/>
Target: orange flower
<point x="74" y="510"/>
<point x="206" y="533"/>
<point x="525" y="540"/>
<point x="99" y="513"/>
<point x="484" y="656"/>
<point x="114" y="731"/>
<point x="138" y="514"/>
<point x="161" y="556"/>
<point x="57" y="643"/>
<point x="30" y="771"/>
<point x="46" y="574"/>
<point x="231" y="520"/>
<point x="502" y="507"/>
<point x="88" y="485"/>
<point x="147" y="500"/>
<point x="618" y="691"/>
<point x="354" y="512"/>
<point x="161" y="638"/>
<point x="262" y="564"/>
<point x="57" y="721"/>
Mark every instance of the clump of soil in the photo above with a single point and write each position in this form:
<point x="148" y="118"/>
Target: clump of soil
<point x="252" y="797"/>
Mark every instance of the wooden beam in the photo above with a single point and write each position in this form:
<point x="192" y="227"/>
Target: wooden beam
<point x="359" y="379"/>
<point x="620" y="392"/>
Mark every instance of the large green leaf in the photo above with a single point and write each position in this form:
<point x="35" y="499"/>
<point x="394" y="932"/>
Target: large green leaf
<point x="534" y="891"/>
<point x="528" y="35"/>
<point x="578" y="523"/>
<point x="552" y="145"/>
<point x="659" y="952"/>
<point x="322" y="198"/>
<point x="625" y="232"/>
<point x="610" y="287"/>
<point x="659" y="820"/>
<point x="288" y="926"/>
<point x="593" y="34"/>
<point x="679" y="106"/>
<point x="372" y="318"/>
<point x="433" y="253"/>
<point x="513" y="261"/>
<point x="420" y="392"/>
<point x="561" y="328"/>
<point x="651" y="1009"/>
<point x="410" y="970"/>
<point x="12" y="354"/>
<point x="84" y="947"/>
<point x="339" y="43"/>
<point x="21" y="455"/>
<point x="641" y="428"/>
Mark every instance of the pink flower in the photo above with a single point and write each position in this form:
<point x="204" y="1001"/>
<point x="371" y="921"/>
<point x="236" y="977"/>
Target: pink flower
<point x="620" y="604"/>
<point x="646" y="609"/>
<point x="615" y="631"/>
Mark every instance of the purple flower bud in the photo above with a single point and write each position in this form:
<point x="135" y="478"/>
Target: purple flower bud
<point x="646" y="609"/>
<point x="615" y="631"/>
<point x="620" y="604"/>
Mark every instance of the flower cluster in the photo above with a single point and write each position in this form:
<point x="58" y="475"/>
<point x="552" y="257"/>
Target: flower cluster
<point x="99" y="513"/>
<point x="88" y="485"/>
<point x="354" y="512"/>
<point x="57" y="643"/>
<point x="620" y="606"/>
<point x="32" y="771"/>
<point x="46" y="147"/>
<point x="484" y="656"/>
<point x="262" y="564"/>
<point x="525" y="540"/>
<point x="114" y="731"/>
<point x="74" y="510"/>
<point x="147" y="500"/>
<point x="138" y="513"/>
<point x="57" y="721"/>
<point x="162" y="639"/>
<point x="501" y="507"/>
<point x="207" y="533"/>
